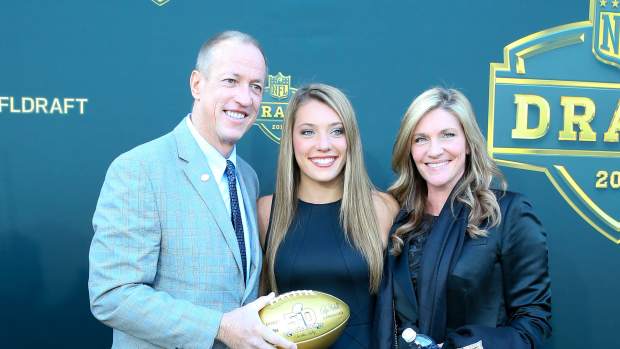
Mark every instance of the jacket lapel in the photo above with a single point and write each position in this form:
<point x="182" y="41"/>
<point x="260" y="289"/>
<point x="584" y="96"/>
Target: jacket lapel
<point x="407" y="304"/>
<point x="195" y="168"/>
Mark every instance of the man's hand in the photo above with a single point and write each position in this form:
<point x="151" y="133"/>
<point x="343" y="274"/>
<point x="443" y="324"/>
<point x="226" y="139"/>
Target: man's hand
<point x="242" y="328"/>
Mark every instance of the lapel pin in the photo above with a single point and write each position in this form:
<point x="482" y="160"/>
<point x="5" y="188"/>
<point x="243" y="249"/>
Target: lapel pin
<point x="204" y="177"/>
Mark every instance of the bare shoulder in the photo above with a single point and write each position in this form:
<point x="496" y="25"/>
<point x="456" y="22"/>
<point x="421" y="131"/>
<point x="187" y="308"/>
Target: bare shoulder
<point x="264" y="202"/>
<point x="263" y="206"/>
<point x="386" y="208"/>
<point x="385" y="204"/>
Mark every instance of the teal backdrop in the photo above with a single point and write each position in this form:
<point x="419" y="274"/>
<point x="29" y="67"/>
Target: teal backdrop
<point x="122" y="67"/>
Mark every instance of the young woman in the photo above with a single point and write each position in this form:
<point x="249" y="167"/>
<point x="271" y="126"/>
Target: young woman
<point x="326" y="227"/>
<point x="468" y="264"/>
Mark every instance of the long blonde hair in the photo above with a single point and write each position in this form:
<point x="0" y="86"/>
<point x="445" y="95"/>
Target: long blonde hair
<point x="357" y="215"/>
<point x="473" y="189"/>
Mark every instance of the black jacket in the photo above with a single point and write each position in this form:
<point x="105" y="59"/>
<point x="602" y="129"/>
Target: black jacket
<point x="498" y="292"/>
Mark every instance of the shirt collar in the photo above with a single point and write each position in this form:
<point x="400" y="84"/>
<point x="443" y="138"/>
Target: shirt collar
<point x="217" y="162"/>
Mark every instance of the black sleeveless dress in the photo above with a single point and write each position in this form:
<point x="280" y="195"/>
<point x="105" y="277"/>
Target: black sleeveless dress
<point x="316" y="256"/>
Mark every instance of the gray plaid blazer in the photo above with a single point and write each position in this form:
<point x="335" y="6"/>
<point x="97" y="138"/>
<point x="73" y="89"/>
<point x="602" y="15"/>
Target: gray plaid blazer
<point x="164" y="260"/>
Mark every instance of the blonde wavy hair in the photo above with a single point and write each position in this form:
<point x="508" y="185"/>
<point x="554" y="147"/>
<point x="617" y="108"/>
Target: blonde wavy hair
<point x="357" y="215"/>
<point x="473" y="189"/>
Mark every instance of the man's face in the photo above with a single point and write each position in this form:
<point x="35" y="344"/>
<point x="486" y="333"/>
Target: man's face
<point x="228" y="95"/>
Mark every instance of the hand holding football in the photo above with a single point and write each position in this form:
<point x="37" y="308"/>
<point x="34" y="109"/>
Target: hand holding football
<point x="311" y="319"/>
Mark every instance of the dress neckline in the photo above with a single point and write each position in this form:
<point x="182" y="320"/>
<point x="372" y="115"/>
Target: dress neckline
<point x="333" y="203"/>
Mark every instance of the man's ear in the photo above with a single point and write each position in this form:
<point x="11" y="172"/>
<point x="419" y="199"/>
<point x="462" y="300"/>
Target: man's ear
<point x="195" y="83"/>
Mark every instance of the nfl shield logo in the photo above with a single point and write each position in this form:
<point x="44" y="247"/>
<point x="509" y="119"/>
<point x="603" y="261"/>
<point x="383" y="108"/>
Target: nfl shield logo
<point x="279" y="85"/>
<point x="606" y="31"/>
<point x="271" y="114"/>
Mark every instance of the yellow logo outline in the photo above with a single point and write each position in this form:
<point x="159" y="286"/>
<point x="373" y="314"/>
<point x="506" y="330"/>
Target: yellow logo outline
<point x="562" y="177"/>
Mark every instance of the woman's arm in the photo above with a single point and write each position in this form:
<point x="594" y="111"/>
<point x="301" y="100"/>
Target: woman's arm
<point x="263" y="207"/>
<point x="386" y="208"/>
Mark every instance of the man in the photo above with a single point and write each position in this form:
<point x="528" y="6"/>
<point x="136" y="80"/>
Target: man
<point x="175" y="259"/>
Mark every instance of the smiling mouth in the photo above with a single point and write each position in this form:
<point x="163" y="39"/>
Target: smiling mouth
<point x="235" y="115"/>
<point x="437" y="164"/>
<point x="324" y="161"/>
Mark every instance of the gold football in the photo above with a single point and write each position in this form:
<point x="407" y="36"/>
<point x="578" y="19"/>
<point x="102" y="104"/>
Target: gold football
<point x="311" y="319"/>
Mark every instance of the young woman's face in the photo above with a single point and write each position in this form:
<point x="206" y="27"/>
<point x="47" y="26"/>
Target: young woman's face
<point x="319" y="143"/>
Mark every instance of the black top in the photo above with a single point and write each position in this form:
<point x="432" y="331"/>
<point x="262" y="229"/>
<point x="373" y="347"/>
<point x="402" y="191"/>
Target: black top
<point x="416" y="248"/>
<point x="315" y="255"/>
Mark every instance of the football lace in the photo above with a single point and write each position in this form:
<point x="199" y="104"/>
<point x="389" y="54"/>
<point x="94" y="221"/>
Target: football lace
<point x="292" y="294"/>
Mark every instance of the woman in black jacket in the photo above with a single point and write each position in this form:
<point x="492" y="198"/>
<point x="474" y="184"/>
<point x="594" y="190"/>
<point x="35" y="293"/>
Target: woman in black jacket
<point x="468" y="265"/>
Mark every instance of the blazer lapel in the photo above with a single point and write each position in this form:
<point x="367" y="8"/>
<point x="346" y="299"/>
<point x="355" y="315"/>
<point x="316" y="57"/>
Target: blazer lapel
<point x="403" y="287"/>
<point x="195" y="168"/>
